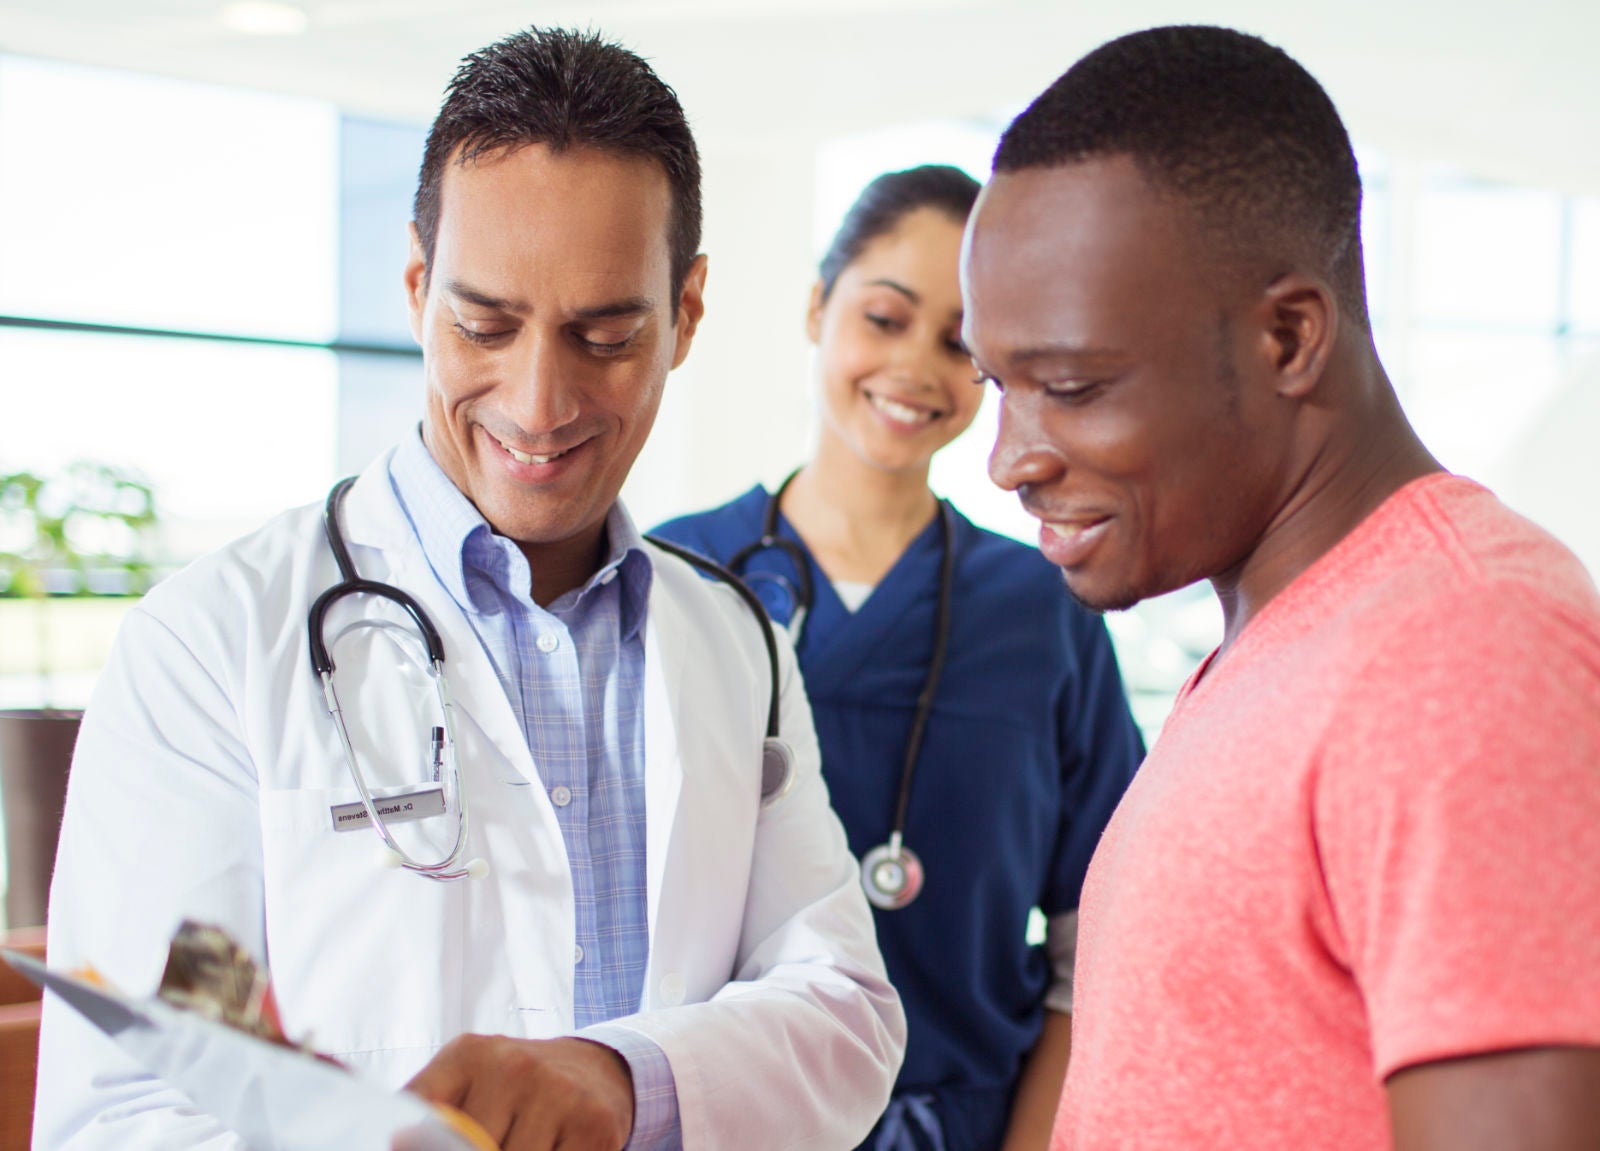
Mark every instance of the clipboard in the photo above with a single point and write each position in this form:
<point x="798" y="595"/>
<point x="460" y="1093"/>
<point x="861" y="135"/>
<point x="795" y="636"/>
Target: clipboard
<point x="276" y="1098"/>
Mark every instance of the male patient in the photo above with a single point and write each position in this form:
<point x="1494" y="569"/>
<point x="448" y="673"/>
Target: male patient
<point x="646" y="954"/>
<point x="1352" y="900"/>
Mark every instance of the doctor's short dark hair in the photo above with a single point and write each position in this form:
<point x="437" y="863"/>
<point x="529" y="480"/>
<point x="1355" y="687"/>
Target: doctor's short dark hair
<point x="891" y="197"/>
<point x="564" y="89"/>
<point x="1229" y="123"/>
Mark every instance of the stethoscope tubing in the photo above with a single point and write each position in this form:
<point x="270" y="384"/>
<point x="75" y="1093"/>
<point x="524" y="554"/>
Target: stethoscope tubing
<point x="724" y="575"/>
<point x="777" y="756"/>
<point x="351" y="583"/>
<point x="804" y="600"/>
<point x="930" y="687"/>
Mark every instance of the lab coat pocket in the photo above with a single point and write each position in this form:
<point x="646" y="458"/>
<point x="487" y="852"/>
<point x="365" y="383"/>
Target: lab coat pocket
<point x="333" y="908"/>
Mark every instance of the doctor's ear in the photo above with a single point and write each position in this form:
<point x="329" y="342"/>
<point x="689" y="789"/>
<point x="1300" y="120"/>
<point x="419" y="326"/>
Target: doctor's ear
<point x="814" y="314"/>
<point x="416" y="281"/>
<point x="691" y="307"/>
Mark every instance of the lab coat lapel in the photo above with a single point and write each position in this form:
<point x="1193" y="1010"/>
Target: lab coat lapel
<point x="668" y="631"/>
<point x="375" y="523"/>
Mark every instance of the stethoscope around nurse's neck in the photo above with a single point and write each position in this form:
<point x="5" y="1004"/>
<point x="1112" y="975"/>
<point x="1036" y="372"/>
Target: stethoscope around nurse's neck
<point x="891" y="874"/>
<point x="803" y="592"/>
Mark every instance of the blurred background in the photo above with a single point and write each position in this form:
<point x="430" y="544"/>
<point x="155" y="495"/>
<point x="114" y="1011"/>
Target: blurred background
<point x="203" y="212"/>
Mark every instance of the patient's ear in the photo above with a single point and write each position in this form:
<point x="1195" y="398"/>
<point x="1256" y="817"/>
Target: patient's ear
<point x="1299" y="320"/>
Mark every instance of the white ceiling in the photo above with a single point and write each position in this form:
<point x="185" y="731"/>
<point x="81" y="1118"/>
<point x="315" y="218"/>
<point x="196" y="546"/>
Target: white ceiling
<point x="1503" y="88"/>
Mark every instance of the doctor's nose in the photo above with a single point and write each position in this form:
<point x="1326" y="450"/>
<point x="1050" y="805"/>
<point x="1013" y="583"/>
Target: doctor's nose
<point x="541" y="392"/>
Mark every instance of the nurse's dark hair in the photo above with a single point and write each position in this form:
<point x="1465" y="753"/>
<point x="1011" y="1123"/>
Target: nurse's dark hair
<point x="888" y="200"/>
<point x="564" y="89"/>
<point x="1227" y="122"/>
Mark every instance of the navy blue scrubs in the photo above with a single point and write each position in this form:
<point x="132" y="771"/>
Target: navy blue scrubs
<point x="1028" y="749"/>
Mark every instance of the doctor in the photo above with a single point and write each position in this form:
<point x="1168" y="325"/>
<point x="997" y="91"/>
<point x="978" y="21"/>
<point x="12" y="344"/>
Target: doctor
<point x="650" y="952"/>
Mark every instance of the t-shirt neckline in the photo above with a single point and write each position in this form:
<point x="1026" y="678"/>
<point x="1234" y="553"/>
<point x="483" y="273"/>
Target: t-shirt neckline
<point x="1316" y="574"/>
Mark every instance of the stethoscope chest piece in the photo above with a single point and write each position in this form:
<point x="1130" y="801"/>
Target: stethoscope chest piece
<point x="777" y="770"/>
<point x="891" y="875"/>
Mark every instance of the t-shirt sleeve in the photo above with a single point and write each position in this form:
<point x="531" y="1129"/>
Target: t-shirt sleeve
<point x="1100" y="748"/>
<point x="1456" y="814"/>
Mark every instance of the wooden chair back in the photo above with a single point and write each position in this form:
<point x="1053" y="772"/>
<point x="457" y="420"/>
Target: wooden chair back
<point x="19" y="1041"/>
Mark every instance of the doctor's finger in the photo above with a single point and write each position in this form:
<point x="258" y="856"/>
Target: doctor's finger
<point x="465" y="1075"/>
<point x="546" y="1113"/>
<point x="527" y="1128"/>
<point x="449" y="1073"/>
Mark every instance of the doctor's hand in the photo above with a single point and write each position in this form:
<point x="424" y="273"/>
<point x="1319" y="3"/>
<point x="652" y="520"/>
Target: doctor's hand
<point x="535" y="1094"/>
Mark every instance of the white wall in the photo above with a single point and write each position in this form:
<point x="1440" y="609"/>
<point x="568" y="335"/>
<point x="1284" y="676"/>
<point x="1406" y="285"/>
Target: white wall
<point x="738" y="411"/>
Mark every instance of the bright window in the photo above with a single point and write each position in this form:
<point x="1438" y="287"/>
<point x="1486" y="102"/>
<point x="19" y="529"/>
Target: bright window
<point x="1487" y="255"/>
<point x="134" y="200"/>
<point x="250" y="246"/>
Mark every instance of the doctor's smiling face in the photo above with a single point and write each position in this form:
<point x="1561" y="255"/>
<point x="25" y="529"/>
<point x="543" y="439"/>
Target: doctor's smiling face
<point x="548" y="321"/>
<point x="1139" y="421"/>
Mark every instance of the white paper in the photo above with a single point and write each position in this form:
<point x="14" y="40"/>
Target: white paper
<point x="274" y="1097"/>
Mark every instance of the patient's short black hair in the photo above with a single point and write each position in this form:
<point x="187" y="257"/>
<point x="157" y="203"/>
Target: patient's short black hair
<point x="1228" y="122"/>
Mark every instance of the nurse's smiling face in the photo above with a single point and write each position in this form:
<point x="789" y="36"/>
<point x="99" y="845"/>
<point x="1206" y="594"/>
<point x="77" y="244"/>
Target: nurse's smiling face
<point x="548" y="329"/>
<point x="896" y="382"/>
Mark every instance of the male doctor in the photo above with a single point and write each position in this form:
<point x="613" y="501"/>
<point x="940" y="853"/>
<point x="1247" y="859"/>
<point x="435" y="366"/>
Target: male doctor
<point x="654" y="958"/>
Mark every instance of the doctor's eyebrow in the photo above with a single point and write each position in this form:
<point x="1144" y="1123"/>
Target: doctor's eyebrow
<point x="472" y="295"/>
<point x="633" y="306"/>
<point x="630" y="306"/>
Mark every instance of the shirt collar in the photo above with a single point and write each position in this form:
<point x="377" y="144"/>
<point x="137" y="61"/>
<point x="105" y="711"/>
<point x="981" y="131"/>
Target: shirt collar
<point x="627" y="562"/>
<point x="456" y="538"/>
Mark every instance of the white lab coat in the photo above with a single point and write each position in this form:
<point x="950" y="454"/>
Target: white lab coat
<point x="201" y="788"/>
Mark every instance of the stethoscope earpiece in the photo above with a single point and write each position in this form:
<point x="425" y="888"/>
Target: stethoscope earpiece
<point x="388" y="858"/>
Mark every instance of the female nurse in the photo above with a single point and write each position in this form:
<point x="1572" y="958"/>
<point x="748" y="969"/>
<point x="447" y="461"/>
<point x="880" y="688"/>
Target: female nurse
<point x="975" y="735"/>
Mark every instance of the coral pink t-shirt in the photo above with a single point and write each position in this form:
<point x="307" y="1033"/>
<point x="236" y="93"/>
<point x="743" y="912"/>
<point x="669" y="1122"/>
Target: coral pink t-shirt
<point x="1369" y="837"/>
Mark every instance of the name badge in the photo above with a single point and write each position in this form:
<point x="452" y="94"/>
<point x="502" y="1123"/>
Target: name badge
<point x="391" y="809"/>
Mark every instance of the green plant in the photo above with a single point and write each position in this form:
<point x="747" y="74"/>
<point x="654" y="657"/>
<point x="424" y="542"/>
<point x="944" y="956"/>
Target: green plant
<point x="85" y="531"/>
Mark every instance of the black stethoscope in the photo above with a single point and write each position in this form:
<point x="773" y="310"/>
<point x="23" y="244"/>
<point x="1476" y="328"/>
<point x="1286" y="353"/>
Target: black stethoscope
<point x="777" y="757"/>
<point x="891" y="873"/>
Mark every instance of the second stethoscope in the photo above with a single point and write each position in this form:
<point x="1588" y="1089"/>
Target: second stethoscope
<point x="777" y="757"/>
<point x="891" y="874"/>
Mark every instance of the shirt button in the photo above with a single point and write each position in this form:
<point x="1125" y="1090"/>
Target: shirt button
<point x="547" y="643"/>
<point x="608" y="575"/>
<point x="561" y="795"/>
<point x="577" y="953"/>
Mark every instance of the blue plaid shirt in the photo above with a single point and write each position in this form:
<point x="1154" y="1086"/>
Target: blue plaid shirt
<point x="574" y="673"/>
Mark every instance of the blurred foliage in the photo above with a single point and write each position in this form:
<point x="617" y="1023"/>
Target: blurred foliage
<point x="86" y="531"/>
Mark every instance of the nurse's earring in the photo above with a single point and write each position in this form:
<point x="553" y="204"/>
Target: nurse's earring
<point x="891" y="874"/>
